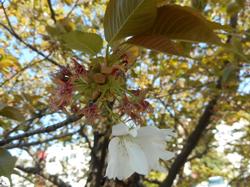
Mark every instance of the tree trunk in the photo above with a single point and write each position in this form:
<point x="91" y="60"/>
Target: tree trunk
<point x="98" y="157"/>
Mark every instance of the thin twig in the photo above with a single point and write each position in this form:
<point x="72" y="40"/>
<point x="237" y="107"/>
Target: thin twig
<point x="30" y="46"/>
<point x="75" y="5"/>
<point x="81" y="132"/>
<point x="53" y="15"/>
<point x="11" y="30"/>
<point x="39" y="114"/>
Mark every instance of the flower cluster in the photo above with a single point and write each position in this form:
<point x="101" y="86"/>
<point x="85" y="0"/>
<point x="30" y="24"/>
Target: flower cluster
<point x="137" y="150"/>
<point x="86" y="89"/>
<point x="89" y="89"/>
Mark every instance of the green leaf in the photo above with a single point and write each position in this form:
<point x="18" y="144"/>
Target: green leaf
<point x="185" y="24"/>
<point x="158" y="43"/>
<point x="127" y="18"/>
<point x="90" y="43"/>
<point x="7" y="163"/>
<point x="12" y="113"/>
<point x="62" y="26"/>
<point x="54" y="31"/>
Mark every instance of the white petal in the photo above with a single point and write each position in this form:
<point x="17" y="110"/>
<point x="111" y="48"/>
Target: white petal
<point x="167" y="133"/>
<point x="112" y="158"/>
<point x="137" y="150"/>
<point x="137" y="158"/>
<point x="124" y="167"/>
<point x="148" y="131"/>
<point x="120" y="129"/>
<point x="118" y="160"/>
<point x="153" y="142"/>
<point x="150" y="152"/>
<point x="153" y="132"/>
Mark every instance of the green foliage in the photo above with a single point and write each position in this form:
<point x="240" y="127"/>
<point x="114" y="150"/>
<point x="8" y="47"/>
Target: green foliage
<point x="89" y="43"/>
<point x="54" y="31"/>
<point x="158" y="43"/>
<point x="7" y="163"/>
<point x="11" y="113"/>
<point x="183" y="23"/>
<point x="126" y="18"/>
<point x="171" y="22"/>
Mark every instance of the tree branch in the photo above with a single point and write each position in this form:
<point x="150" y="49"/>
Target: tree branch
<point x="11" y="30"/>
<point x="51" y="128"/>
<point x="192" y="141"/>
<point x="27" y="144"/>
<point x="37" y="171"/>
<point x="72" y="9"/>
<point x="53" y="15"/>
<point x="81" y="132"/>
<point x="28" y="122"/>
<point x="177" y="120"/>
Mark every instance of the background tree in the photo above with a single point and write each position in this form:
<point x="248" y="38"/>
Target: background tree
<point x="193" y="72"/>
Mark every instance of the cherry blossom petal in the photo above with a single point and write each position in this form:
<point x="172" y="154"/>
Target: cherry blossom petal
<point x="139" y="150"/>
<point x="137" y="158"/>
<point x="118" y="161"/>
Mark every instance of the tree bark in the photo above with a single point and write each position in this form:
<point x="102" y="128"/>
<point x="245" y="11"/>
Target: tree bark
<point x="192" y="141"/>
<point x="98" y="157"/>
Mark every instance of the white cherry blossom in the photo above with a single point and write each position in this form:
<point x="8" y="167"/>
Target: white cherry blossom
<point x="137" y="150"/>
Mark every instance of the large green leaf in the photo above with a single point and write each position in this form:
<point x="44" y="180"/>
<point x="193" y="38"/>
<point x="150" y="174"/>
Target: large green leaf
<point x="158" y="43"/>
<point x="185" y="24"/>
<point x="11" y="113"/>
<point x="90" y="43"/>
<point x="7" y="163"/>
<point x="128" y="17"/>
